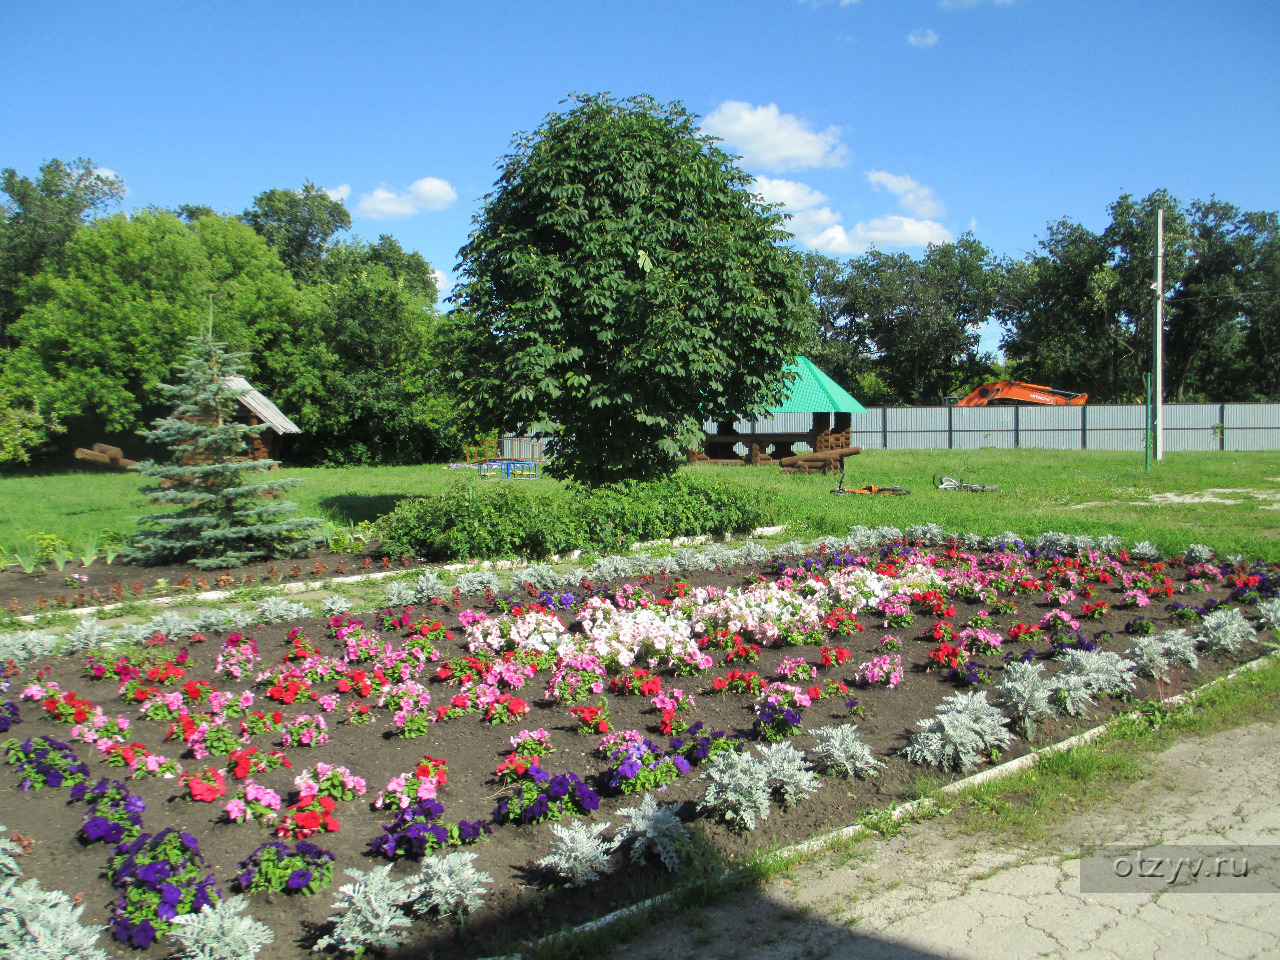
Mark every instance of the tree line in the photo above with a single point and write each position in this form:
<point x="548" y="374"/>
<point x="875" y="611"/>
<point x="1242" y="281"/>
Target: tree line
<point x="1075" y="314"/>
<point x="575" y="296"/>
<point x="96" y="309"/>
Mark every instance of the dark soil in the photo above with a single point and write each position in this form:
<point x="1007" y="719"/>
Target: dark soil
<point x="76" y="585"/>
<point x="522" y="903"/>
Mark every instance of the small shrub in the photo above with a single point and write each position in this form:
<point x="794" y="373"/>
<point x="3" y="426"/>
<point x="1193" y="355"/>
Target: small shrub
<point x="278" y="609"/>
<point x="85" y="635"/>
<point x="451" y="885"/>
<point x="786" y="772"/>
<point x="840" y="747"/>
<point x="1026" y="695"/>
<point x="37" y="923"/>
<point x="1226" y="630"/>
<point x="578" y="854"/>
<point x="655" y="827"/>
<point x="738" y="789"/>
<point x="1154" y="655"/>
<point x="24" y="645"/>
<point x="963" y="731"/>
<point x="369" y="913"/>
<point x="1103" y="671"/>
<point x="220" y="933"/>
<point x="930" y="534"/>
<point x="335" y="605"/>
<point x="1145" y="550"/>
<point x="10" y="850"/>
<point x="428" y="587"/>
<point x="1268" y="616"/>
<point x="398" y="594"/>
<point x="476" y="582"/>
<point x="1071" y="695"/>
<point x="543" y="576"/>
<point x="1197" y="553"/>
<point x="1109" y="544"/>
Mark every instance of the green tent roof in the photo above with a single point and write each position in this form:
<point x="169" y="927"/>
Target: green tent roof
<point x="814" y="392"/>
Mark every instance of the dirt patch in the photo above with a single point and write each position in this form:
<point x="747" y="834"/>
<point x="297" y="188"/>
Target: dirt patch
<point x="1225" y="496"/>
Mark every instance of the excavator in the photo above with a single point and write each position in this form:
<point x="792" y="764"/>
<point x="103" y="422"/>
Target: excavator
<point x="1016" y="391"/>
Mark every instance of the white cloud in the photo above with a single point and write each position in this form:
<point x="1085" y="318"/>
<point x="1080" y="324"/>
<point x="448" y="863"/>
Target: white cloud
<point x="819" y="227"/>
<point x="429" y="193"/>
<point x="922" y="38"/>
<point x="443" y="283"/>
<point x="890" y="231"/>
<point x="912" y="196"/>
<point x="769" y="138"/>
<point x="339" y="193"/>
<point x="966" y="4"/>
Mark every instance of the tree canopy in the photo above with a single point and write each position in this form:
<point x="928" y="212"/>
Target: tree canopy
<point x="623" y="285"/>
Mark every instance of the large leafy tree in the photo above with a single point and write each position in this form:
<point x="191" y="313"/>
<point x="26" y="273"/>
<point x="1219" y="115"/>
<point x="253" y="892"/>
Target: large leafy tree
<point x="896" y="329"/>
<point x="107" y="323"/>
<point x="300" y="224"/>
<point x="623" y="285"/>
<point x="38" y="218"/>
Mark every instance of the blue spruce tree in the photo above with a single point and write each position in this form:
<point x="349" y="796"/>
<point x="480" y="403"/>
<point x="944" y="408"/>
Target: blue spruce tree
<point x="225" y="515"/>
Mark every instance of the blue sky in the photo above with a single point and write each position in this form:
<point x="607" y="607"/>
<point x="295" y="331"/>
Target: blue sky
<point x="885" y="122"/>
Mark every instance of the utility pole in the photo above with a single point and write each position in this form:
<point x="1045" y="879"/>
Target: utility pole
<point x="1157" y="338"/>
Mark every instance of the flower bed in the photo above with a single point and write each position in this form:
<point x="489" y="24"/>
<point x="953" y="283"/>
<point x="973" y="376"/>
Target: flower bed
<point x="486" y="719"/>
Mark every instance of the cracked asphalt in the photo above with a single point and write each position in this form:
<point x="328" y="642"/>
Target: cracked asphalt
<point x="933" y="891"/>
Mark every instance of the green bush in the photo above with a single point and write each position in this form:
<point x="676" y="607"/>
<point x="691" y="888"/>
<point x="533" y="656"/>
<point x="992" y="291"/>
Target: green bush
<point x="489" y="521"/>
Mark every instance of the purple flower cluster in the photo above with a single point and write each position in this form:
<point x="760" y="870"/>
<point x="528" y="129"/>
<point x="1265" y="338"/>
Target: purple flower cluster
<point x="640" y="765"/>
<point x="160" y="878"/>
<point x="275" y="868"/>
<point x="777" y="718"/>
<point x="43" y="762"/>
<point x="417" y="831"/>
<point x="8" y="715"/>
<point x="557" y="601"/>
<point x="1072" y="641"/>
<point x="116" y="814"/>
<point x="545" y="796"/>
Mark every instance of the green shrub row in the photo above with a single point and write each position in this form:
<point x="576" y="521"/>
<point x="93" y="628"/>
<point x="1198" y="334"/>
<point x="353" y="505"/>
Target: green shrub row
<point x="492" y="521"/>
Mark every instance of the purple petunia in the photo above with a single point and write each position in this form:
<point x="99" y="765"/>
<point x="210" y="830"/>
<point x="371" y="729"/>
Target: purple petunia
<point x="299" y="879"/>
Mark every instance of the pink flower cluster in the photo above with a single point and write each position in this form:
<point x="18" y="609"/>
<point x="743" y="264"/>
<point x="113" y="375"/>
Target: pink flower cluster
<point x="885" y="669"/>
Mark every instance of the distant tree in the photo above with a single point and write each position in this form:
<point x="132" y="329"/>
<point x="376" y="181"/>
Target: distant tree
<point x="300" y="224"/>
<point x="896" y="330"/>
<point x="38" y="219"/>
<point x="624" y="284"/>
<point x="107" y="322"/>
<point x="224" y="518"/>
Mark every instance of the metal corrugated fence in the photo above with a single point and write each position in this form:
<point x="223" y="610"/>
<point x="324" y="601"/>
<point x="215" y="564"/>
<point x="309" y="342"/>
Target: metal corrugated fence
<point x="1188" y="426"/>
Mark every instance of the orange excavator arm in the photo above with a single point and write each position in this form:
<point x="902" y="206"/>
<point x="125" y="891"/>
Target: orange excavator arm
<point x="1018" y="391"/>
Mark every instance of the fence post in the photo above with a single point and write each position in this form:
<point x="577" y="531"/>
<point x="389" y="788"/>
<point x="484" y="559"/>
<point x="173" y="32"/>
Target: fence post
<point x="950" y="440"/>
<point x="1017" y="426"/>
<point x="1222" y="422"/>
<point x="884" y="428"/>
<point x="1084" y="428"/>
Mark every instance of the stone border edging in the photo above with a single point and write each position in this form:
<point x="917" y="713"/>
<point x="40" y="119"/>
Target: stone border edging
<point x="998" y="772"/>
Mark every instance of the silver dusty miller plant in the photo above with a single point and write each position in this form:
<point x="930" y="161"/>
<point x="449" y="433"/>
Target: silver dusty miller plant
<point x="738" y="789"/>
<point x="40" y="924"/>
<point x="86" y="635"/>
<point x="786" y="773"/>
<point x="1225" y="630"/>
<point x="543" y="576"/>
<point x="1145" y="550"/>
<point x="1102" y="670"/>
<point x="219" y="932"/>
<point x="930" y="534"/>
<point x="1071" y="694"/>
<point x="655" y="827"/>
<point x="842" y="748"/>
<point x="370" y="915"/>
<point x="398" y="594"/>
<point x="1268" y="614"/>
<point x="10" y="850"/>
<point x="1026" y="695"/>
<point x="578" y="855"/>
<point x="451" y="886"/>
<point x="1156" y="654"/>
<point x="429" y="587"/>
<point x="965" y="730"/>
<point x="1197" y="553"/>
<point x="476" y="582"/>
<point x="26" y="645"/>
<point x="335" y="605"/>
<point x="1109" y="544"/>
<point x="278" y="609"/>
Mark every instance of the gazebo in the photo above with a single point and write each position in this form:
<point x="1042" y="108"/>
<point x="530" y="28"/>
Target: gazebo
<point x="828" y="405"/>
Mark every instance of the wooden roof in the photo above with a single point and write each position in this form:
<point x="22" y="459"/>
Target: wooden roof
<point x="266" y="411"/>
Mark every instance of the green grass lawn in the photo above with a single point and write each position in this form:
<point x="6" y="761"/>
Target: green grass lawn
<point x="1039" y="490"/>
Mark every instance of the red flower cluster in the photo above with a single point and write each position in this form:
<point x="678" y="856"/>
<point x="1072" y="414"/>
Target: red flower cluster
<point x="69" y="708"/>
<point x="591" y="719"/>
<point x="166" y="673"/>
<point x="249" y="760"/>
<point x="1094" y="610"/>
<point x="360" y="682"/>
<point x="1022" y="630"/>
<point x="936" y="600"/>
<point x="310" y="815"/>
<point x="735" y="681"/>
<point x="287" y="691"/>
<point x="746" y="652"/>
<point x="432" y="768"/>
<point x="514" y="766"/>
<point x="639" y="681"/>
<point x="841" y="621"/>
<point x="505" y="709"/>
<point x="259" y="722"/>
<point x="196" y="690"/>
<point x="941" y="631"/>
<point x="835" y="656"/>
<point x="946" y="655"/>
<point x="205" y="786"/>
